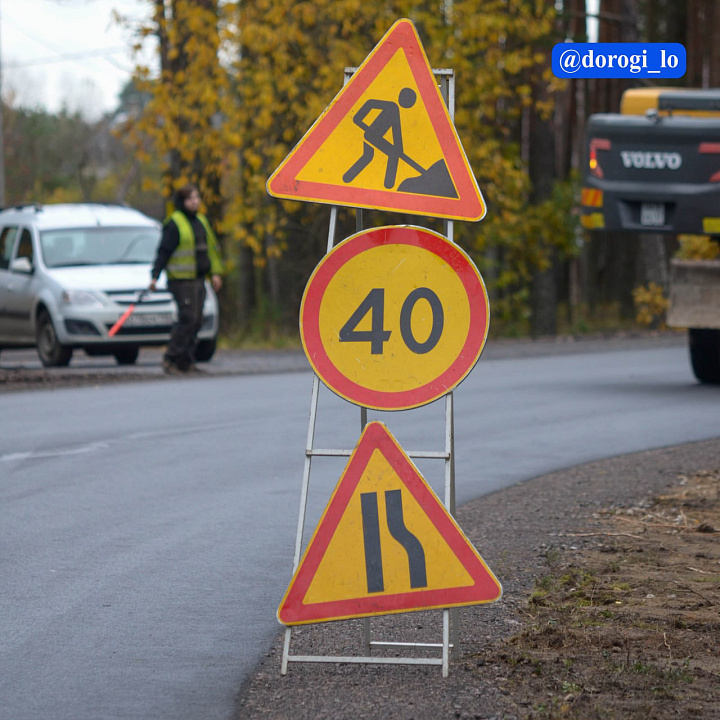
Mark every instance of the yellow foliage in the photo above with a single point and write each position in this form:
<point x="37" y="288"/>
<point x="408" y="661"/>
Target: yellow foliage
<point x="697" y="247"/>
<point x="63" y="195"/>
<point x="651" y="305"/>
<point x="185" y="122"/>
<point x="242" y="86"/>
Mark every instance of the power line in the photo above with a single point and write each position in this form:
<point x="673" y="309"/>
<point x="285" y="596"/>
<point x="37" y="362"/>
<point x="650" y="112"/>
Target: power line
<point x="65" y="57"/>
<point x="62" y="56"/>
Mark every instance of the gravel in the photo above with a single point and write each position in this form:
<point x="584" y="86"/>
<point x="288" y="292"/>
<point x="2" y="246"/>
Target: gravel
<point x="516" y="530"/>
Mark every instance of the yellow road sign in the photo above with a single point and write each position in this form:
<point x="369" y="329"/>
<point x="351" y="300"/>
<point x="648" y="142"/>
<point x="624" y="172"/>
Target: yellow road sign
<point x="386" y="141"/>
<point x="385" y="544"/>
<point x="394" y="317"/>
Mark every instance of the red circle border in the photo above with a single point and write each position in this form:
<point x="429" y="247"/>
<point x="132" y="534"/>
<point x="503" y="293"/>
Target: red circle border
<point x="345" y="251"/>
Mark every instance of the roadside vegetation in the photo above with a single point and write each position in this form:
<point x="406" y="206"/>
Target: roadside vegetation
<point x="234" y="86"/>
<point x="630" y="628"/>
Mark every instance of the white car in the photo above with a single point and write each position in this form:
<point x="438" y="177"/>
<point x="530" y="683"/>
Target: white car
<point x="67" y="274"/>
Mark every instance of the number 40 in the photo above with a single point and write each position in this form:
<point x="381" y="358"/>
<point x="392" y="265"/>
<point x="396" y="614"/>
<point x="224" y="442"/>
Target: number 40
<point x="377" y="336"/>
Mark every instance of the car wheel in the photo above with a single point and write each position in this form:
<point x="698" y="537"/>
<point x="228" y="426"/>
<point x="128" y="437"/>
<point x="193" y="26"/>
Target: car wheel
<point x="705" y="354"/>
<point x="205" y="349"/>
<point x="51" y="352"/>
<point x="127" y="355"/>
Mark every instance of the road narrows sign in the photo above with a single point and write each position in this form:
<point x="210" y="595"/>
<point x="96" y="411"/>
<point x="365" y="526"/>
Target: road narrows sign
<point x="385" y="544"/>
<point x="394" y="317"/>
<point x="386" y="142"/>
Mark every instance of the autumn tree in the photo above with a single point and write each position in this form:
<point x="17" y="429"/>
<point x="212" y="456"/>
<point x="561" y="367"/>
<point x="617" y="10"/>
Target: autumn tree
<point x="58" y="157"/>
<point x="691" y="22"/>
<point x="185" y="120"/>
<point x="239" y="83"/>
<point x="508" y="109"/>
<point x="291" y="66"/>
<point x="185" y="127"/>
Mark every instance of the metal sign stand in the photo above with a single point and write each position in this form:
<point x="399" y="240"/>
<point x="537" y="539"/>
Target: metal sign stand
<point x="450" y="623"/>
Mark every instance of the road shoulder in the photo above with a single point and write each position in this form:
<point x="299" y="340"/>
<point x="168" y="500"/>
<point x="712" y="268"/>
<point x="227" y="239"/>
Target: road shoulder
<point x="520" y="531"/>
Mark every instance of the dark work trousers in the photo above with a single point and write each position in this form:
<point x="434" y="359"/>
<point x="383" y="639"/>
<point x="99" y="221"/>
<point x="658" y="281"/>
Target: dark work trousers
<point x="190" y="298"/>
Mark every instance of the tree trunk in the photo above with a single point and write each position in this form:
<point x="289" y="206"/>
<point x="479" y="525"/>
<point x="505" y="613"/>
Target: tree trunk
<point x="714" y="51"/>
<point x="273" y="279"/>
<point x="541" y="166"/>
<point x="654" y="259"/>
<point x="246" y="300"/>
<point x="694" y="44"/>
<point x="543" y="299"/>
<point x="125" y="182"/>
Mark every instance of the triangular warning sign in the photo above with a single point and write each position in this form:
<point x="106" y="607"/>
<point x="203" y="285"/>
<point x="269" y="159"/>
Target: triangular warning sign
<point x="385" y="544"/>
<point x="386" y="142"/>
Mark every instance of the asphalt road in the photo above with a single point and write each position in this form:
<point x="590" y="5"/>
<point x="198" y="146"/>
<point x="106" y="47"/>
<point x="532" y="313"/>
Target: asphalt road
<point x="148" y="527"/>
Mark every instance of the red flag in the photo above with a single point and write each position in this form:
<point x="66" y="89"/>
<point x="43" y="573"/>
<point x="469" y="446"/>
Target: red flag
<point x="126" y="314"/>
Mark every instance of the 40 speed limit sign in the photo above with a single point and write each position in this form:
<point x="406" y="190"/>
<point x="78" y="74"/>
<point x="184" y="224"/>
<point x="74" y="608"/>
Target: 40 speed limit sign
<point x="394" y="317"/>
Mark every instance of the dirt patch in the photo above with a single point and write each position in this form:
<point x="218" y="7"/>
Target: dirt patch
<point x="610" y="609"/>
<point x="629" y="628"/>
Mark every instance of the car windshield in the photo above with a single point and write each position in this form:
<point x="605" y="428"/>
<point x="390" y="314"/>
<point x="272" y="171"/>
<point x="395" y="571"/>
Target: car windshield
<point x="99" y="246"/>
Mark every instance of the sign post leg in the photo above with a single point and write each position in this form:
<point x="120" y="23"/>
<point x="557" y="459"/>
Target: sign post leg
<point x="450" y="624"/>
<point x="449" y="645"/>
<point x="450" y="504"/>
<point x="303" y="501"/>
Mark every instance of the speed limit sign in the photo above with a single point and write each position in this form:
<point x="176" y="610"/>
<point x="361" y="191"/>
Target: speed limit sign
<point x="394" y="317"/>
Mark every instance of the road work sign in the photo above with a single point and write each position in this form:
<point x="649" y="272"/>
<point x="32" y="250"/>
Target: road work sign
<point x="394" y="317"/>
<point x="385" y="544"/>
<point x="386" y="142"/>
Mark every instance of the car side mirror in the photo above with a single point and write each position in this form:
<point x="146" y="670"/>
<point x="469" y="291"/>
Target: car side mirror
<point x="22" y="265"/>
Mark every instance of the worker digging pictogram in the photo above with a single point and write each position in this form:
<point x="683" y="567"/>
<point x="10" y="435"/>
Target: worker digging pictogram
<point x="386" y="141"/>
<point x="434" y="181"/>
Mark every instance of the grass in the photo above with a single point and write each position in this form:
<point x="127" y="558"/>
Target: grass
<point x="264" y="333"/>
<point x="615" y="639"/>
<point x="268" y="338"/>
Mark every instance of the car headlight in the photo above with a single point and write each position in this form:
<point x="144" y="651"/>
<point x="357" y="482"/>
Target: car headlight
<point x="80" y="297"/>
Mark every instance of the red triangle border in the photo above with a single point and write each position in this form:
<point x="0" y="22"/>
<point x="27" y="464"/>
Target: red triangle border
<point x="485" y="589"/>
<point x="283" y="183"/>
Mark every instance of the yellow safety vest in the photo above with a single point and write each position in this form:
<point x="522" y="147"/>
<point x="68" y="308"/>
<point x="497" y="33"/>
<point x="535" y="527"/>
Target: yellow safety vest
<point x="182" y="265"/>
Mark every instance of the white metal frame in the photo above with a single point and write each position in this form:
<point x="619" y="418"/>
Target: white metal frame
<point x="450" y="623"/>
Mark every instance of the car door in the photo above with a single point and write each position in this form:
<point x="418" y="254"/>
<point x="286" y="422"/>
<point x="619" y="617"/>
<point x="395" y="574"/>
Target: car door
<point x="21" y="289"/>
<point x="7" y="247"/>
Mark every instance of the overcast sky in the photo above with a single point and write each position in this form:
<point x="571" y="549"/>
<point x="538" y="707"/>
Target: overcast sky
<point x="66" y="53"/>
<point x="70" y="53"/>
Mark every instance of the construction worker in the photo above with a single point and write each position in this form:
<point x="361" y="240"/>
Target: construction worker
<point x="188" y="252"/>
